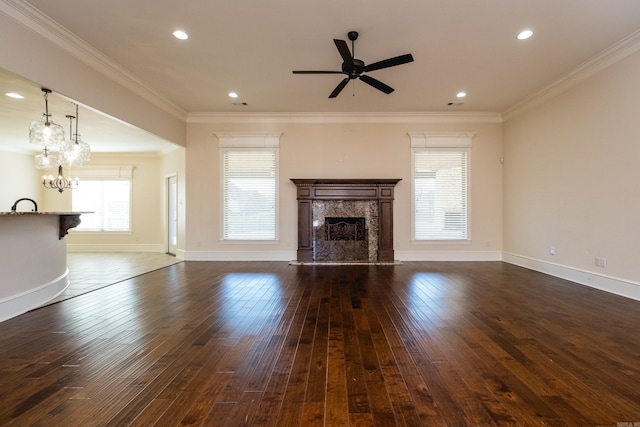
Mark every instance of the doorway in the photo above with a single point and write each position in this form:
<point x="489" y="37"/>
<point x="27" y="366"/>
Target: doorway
<point x="172" y="214"/>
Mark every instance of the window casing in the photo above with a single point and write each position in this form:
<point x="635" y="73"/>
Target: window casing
<point x="249" y="169"/>
<point x="440" y="186"/>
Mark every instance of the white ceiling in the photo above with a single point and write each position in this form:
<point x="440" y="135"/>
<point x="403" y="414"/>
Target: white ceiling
<point x="103" y="133"/>
<point x="251" y="47"/>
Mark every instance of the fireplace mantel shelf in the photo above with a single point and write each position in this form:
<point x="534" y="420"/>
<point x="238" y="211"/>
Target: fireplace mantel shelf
<point x="345" y="182"/>
<point x="381" y="190"/>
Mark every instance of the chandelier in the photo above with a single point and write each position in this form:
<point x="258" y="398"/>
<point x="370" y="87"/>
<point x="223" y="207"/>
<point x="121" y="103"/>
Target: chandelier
<point x="60" y="183"/>
<point x="45" y="132"/>
<point x="70" y="153"/>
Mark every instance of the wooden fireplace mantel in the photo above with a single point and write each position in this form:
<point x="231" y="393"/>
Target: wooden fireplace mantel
<point x="345" y="189"/>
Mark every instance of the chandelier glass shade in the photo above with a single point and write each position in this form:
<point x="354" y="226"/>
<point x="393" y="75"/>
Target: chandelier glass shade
<point x="74" y="151"/>
<point x="60" y="182"/>
<point x="45" y="160"/>
<point x="45" y="132"/>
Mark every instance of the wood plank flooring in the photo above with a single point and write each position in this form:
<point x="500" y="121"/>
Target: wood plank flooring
<point x="270" y="344"/>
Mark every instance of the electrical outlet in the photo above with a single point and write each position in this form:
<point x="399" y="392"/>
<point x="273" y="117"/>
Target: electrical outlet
<point x="601" y="262"/>
<point x="552" y="250"/>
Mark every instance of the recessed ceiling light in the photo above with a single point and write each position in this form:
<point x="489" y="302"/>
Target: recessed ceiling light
<point x="523" y="35"/>
<point x="461" y="94"/>
<point x="233" y="95"/>
<point x="181" y="35"/>
<point x="14" y="95"/>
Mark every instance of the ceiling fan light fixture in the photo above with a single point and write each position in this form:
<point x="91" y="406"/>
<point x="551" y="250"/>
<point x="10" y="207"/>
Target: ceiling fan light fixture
<point x="354" y="68"/>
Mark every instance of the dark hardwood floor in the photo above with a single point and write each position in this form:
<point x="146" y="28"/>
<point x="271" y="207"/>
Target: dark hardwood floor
<point x="264" y="344"/>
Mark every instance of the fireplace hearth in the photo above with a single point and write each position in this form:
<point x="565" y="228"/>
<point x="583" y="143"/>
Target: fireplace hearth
<point x="345" y="220"/>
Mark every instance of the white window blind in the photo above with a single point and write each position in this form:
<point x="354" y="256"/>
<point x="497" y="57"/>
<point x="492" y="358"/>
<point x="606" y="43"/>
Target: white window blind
<point x="440" y="192"/>
<point x="110" y="200"/>
<point x="249" y="193"/>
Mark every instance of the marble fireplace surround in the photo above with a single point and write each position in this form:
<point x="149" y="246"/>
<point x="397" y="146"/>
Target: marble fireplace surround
<point x="379" y="190"/>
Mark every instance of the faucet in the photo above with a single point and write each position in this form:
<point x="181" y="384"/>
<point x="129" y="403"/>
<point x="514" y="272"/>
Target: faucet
<point x="15" y="205"/>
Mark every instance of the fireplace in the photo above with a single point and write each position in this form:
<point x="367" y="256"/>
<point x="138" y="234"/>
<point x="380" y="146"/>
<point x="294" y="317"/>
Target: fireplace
<point x="345" y="220"/>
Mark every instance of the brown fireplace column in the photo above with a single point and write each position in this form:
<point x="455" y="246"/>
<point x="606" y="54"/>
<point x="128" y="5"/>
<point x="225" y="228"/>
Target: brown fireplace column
<point x="345" y="189"/>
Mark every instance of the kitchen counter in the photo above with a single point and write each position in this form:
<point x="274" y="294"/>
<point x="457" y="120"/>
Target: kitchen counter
<point x="33" y="259"/>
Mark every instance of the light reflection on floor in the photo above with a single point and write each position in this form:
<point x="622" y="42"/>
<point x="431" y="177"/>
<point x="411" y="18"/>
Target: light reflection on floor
<point x="249" y="299"/>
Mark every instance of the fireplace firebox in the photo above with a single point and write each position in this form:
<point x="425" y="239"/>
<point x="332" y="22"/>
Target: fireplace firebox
<point x="344" y="228"/>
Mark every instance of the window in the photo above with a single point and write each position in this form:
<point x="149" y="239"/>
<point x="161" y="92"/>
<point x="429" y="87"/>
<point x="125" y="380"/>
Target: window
<point x="440" y="186"/>
<point x="106" y="191"/>
<point x="109" y="200"/>
<point x="249" y="186"/>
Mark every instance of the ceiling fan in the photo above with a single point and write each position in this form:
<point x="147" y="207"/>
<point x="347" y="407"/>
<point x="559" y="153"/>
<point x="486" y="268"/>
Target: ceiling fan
<point x="354" y="68"/>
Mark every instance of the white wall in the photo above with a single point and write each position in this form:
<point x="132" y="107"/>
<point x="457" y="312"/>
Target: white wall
<point x="343" y="148"/>
<point x="147" y="208"/>
<point x="571" y="181"/>
<point x="19" y="179"/>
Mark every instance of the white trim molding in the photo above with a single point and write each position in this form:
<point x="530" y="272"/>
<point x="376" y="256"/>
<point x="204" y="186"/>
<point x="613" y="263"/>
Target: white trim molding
<point x="121" y="247"/>
<point x="345" y="117"/>
<point x="614" y="285"/>
<point x="248" y="139"/>
<point x="407" y="256"/>
<point x="239" y="255"/>
<point x="441" y="139"/>
<point x="18" y="304"/>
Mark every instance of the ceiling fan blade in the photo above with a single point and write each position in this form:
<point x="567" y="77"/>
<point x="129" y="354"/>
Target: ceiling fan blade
<point x="343" y="48"/>
<point x="339" y="88"/>
<point x="317" y="72"/>
<point x="377" y="84"/>
<point x="391" y="62"/>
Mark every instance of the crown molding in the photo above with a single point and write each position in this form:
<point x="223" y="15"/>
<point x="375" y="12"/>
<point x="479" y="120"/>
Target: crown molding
<point x="30" y="17"/>
<point x="606" y="58"/>
<point x="460" y="117"/>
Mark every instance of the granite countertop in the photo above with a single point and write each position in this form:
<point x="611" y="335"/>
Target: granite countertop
<point x="11" y="213"/>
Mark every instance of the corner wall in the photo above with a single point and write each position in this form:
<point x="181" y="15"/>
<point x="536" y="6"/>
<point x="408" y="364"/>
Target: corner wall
<point x="571" y="182"/>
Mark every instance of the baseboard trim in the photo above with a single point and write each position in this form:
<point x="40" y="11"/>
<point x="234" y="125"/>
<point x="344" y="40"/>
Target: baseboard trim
<point x="18" y="304"/>
<point x="622" y="287"/>
<point x="238" y="256"/>
<point x="147" y="247"/>
<point x="448" y="255"/>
